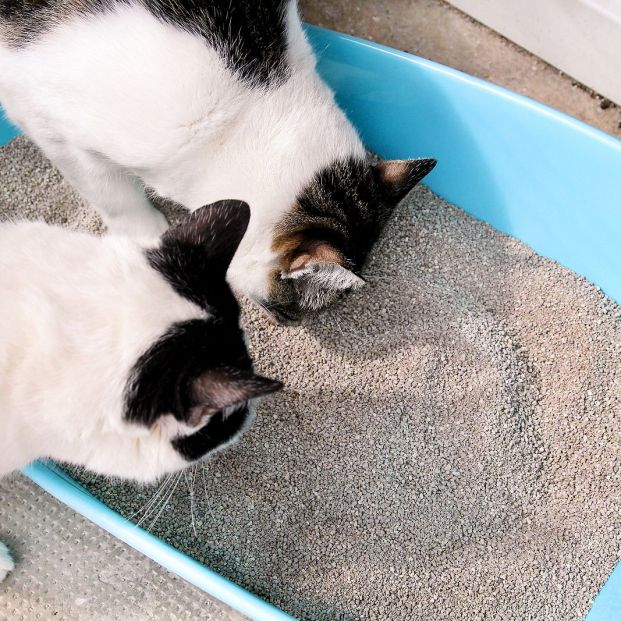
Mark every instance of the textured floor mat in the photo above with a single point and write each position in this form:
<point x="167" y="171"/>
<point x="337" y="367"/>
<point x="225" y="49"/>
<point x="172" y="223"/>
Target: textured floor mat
<point x="68" y="568"/>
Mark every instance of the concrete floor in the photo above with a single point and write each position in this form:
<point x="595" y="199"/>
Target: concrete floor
<point x="435" y="30"/>
<point x="429" y="28"/>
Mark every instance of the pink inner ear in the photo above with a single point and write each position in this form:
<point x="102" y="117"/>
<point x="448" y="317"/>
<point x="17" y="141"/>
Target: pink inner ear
<point x="392" y="172"/>
<point x="316" y="252"/>
<point x="198" y="414"/>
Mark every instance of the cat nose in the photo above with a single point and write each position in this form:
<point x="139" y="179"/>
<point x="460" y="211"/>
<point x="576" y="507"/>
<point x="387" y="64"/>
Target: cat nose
<point x="280" y="316"/>
<point x="284" y="318"/>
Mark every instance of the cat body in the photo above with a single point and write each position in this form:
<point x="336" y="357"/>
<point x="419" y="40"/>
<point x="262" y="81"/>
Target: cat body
<point x="123" y="356"/>
<point x="103" y="341"/>
<point x="120" y="355"/>
<point x="77" y="311"/>
<point x="202" y="101"/>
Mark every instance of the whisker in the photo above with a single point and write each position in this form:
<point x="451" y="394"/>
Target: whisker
<point x="204" y="483"/>
<point x="192" y="498"/>
<point x="268" y="305"/>
<point x="172" y="491"/>
<point x="190" y="483"/>
<point x="156" y="504"/>
<point x="344" y="330"/>
<point x="337" y="323"/>
<point x="147" y="506"/>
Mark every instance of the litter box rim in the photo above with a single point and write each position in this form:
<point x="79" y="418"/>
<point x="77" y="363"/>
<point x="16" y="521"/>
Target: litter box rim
<point x="606" y="606"/>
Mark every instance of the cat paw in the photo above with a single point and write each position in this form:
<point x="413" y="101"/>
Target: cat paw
<point x="6" y="562"/>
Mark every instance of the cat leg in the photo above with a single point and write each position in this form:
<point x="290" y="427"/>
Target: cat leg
<point x="115" y="193"/>
<point x="6" y="562"/>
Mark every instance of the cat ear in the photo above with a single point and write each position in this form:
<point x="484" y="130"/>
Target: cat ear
<point x="319" y="272"/>
<point x="216" y="229"/>
<point x="225" y="387"/>
<point x="397" y="177"/>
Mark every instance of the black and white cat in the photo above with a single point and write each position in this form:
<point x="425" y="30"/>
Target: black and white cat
<point x="120" y="355"/>
<point x="203" y="100"/>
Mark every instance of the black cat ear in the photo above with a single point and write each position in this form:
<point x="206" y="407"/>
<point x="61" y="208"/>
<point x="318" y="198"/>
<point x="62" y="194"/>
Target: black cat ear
<point x="397" y="177"/>
<point x="216" y="229"/>
<point x="225" y="387"/>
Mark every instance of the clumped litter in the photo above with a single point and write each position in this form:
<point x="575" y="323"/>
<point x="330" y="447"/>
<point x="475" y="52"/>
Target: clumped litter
<point x="448" y="444"/>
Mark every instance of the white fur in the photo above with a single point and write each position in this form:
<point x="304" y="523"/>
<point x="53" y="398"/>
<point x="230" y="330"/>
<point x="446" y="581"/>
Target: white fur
<point x="323" y="283"/>
<point x="121" y="98"/>
<point x="77" y="311"/>
<point x="6" y="562"/>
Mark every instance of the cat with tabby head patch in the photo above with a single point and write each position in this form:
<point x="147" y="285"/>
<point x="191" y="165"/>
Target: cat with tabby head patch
<point x="203" y="100"/>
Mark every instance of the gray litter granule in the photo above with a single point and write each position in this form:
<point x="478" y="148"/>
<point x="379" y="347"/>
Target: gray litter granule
<point x="447" y="446"/>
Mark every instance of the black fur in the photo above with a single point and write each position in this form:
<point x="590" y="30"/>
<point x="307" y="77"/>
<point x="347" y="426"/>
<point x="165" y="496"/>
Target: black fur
<point x="194" y="256"/>
<point x="24" y="20"/>
<point x="162" y="382"/>
<point x="343" y="203"/>
<point x="162" y="379"/>
<point x="22" y="10"/>
<point x="341" y="206"/>
<point x="218" y="431"/>
<point x="346" y="204"/>
<point x="249" y="35"/>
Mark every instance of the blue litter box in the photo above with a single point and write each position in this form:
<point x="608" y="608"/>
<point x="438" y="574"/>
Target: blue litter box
<point x="532" y="172"/>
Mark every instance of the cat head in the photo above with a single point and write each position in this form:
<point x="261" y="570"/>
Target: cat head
<point x="322" y="242"/>
<point x="193" y="387"/>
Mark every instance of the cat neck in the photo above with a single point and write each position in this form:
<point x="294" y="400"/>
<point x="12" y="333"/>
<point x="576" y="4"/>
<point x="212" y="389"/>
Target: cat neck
<point x="295" y="126"/>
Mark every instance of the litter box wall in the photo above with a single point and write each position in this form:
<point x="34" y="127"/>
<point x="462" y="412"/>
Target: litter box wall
<point x="530" y="171"/>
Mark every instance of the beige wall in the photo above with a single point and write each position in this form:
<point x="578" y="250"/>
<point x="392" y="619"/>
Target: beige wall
<point x="580" y="37"/>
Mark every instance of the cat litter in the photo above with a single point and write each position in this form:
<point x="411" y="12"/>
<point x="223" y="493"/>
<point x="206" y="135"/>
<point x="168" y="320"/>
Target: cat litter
<point x="446" y="445"/>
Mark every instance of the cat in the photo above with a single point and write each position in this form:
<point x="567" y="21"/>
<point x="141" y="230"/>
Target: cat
<point x="121" y="355"/>
<point x="201" y="101"/>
